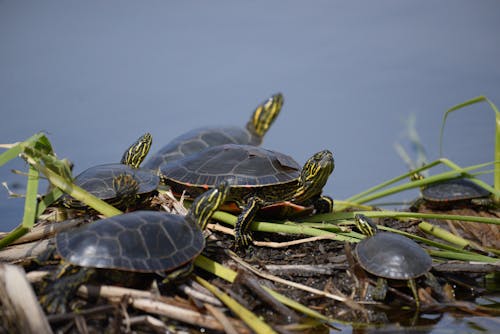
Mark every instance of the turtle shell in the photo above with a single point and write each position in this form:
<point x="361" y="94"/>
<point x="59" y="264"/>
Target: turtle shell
<point x="98" y="180"/>
<point x="139" y="241"/>
<point x="454" y="190"/>
<point x="247" y="168"/>
<point x="392" y="256"/>
<point x="199" y="139"/>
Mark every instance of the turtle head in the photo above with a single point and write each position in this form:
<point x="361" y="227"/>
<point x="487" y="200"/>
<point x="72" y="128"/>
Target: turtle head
<point x="365" y="225"/>
<point x="126" y="188"/>
<point x="265" y="114"/>
<point x="136" y="153"/>
<point x="206" y="204"/>
<point x="315" y="174"/>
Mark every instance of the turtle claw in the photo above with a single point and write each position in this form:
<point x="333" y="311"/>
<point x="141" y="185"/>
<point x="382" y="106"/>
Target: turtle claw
<point x="58" y="290"/>
<point x="243" y="240"/>
<point x="54" y="302"/>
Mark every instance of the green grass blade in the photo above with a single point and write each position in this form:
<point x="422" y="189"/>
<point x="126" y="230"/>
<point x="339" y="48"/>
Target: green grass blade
<point x="13" y="235"/>
<point x="10" y="154"/>
<point x="478" y="99"/>
<point x="282" y="228"/>
<point x="30" y="209"/>
<point x="30" y="203"/>
<point x="462" y="256"/>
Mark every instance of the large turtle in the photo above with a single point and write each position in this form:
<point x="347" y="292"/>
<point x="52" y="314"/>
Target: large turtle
<point x="201" y="138"/>
<point x="258" y="178"/>
<point x="121" y="184"/>
<point x="139" y="242"/>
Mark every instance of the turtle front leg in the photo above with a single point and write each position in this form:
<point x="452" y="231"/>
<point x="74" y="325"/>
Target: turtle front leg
<point x="379" y="292"/>
<point x="413" y="287"/>
<point x="242" y="235"/>
<point x="323" y="204"/>
<point x="62" y="286"/>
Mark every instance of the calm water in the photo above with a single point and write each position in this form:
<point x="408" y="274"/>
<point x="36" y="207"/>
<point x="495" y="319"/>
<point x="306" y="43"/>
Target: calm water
<point x="95" y="75"/>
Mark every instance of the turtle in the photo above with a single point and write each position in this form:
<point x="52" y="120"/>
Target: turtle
<point x="198" y="139"/>
<point x="258" y="178"/>
<point x="392" y="256"/>
<point x="454" y="193"/>
<point x="121" y="184"/>
<point x="130" y="247"/>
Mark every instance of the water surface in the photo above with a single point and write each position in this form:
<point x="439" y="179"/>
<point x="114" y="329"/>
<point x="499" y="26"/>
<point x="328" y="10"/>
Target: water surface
<point x="96" y="75"/>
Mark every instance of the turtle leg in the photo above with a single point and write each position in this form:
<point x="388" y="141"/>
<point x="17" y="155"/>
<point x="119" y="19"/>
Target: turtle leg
<point x="179" y="273"/>
<point x="242" y="236"/>
<point x="413" y="287"/>
<point x="323" y="204"/>
<point x="380" y="290"/>
<point x="56" y="293"/>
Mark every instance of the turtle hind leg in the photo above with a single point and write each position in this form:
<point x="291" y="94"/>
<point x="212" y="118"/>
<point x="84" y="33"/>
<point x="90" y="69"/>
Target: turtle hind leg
<point x="57" y="290"/>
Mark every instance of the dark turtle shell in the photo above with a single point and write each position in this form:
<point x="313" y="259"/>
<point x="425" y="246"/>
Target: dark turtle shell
<point x="139" y="241"/>
<point x="392" y="256"/>
<point x="99" y="180"/>
<point x="454" y="190"/>
<point x="247" y="168"/>
<point x="199" y="139"/>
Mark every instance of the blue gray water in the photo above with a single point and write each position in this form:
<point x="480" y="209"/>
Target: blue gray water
<point x="95" y="75"/>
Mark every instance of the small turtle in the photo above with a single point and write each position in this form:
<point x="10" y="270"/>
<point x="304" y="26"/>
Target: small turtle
<point x="121" y="184"/>
<point x="258" y="178"/>
<point x="454" y="193"/>
<point x="391" y="256"/>
<point x="199" y="139"/>
<point x="139" y="242"/>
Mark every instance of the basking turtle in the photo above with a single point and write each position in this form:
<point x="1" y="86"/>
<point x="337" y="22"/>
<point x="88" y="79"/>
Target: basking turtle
<point x="139" y="242"/>
<point x="201" y="138"/>
<point x="258" y="178"/>
<point x="454" y="193"/>
<point x="121" y="184"/>
<point x="391" y="256"/>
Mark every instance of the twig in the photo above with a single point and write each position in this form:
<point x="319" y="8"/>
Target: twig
<point x="180" y="314"/>
<point x="305" y="270"/>
<point x="150" y="321"/>
<point x="272" y="244"/>
<point x="45" y="231"/>
<point x="469" y="267"/>
<point x="222" y="318"/>
<point x="251" y="283"/>
<point x="21" y="311"/>
<point x="24" y="251"/>
<point x="204" y="297"/>
<point x="152" y="303"/>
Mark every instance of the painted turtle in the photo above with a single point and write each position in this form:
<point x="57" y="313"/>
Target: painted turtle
<point x="390" y="256"/>
<point x="121" y="184"/>
<point x="136" y="242"/>
<point x="199" y="139"/>
<point x="258" y="178"/>
<point x="454" y="192"/>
